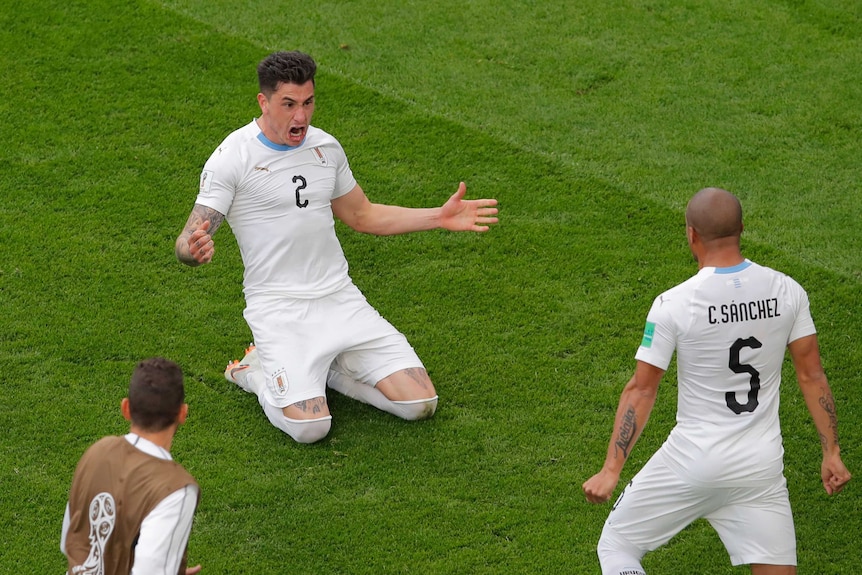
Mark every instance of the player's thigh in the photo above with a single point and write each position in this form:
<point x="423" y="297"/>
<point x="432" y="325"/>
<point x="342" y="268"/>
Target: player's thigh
<point x="407" y="385"/>
<point x="381" y="356"/>
<point x="756" y="526"/>
<point x="762" y="569"/>
<point x="313" y="408"/>
<point x="295" y="352"/>
<point x="655" y="506"/>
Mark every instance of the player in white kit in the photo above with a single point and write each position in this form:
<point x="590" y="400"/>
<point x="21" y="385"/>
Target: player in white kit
<point x="279" y="181"/>
<point x="730" y="325"/>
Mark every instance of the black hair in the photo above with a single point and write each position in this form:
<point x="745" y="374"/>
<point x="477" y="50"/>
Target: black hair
<point x="285" y="68"/>
<point x="156" y="394"/>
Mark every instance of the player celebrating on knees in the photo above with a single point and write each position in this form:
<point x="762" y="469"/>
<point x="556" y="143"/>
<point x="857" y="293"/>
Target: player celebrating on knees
<point x="279" y="181"/>
<point x="724" y="460"/>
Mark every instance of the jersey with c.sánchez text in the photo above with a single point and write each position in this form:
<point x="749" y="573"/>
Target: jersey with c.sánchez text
<point x="277" y="200"/>
<point x="730" y="328"/>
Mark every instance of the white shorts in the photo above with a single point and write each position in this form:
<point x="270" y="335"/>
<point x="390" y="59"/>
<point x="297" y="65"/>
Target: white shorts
<point x="298" y="339"/>
<point x="755" y="523"/>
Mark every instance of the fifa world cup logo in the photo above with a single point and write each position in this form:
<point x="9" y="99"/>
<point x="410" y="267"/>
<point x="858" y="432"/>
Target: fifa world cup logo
<point x="103" y="517"/>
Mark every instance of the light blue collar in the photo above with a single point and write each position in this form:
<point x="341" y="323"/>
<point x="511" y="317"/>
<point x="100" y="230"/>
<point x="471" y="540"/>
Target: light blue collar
<point x="733" y="269"/>
<point x="277" y="147"/>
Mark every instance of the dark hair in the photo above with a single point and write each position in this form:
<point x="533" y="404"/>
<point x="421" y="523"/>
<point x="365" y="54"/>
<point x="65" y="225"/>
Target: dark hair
<point x="284" y="67"/>
<point x="156" y="394"/>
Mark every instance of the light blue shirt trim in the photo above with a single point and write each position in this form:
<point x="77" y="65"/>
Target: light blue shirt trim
<point x="278" y="147"/>
<point x="733" y="269"/>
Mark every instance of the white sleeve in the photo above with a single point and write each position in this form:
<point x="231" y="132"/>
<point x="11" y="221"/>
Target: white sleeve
<point x="220" y="178"/>
<point x="344" y="180"/>
<point x="165" y="533"/>
<point x="803" y="325"/>
<point x="66" y="522"/>
<point x="659" y="337"/>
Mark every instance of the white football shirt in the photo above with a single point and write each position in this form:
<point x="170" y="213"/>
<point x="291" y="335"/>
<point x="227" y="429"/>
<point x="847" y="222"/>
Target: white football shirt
<point x="730" y="328"/>
<point x="276" y="199"/>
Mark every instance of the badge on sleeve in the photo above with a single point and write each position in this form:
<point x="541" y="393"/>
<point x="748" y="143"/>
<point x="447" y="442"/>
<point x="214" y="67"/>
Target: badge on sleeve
<point x="649" y="331"/>
<point x="206" y="181"/>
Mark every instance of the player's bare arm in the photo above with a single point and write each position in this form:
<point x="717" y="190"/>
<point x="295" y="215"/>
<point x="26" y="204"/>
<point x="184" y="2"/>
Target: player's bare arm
<point x="827" y="403"/>
<point x="195" y="246"/>
<point x="635" y="406"/>
<point x="805" y="353"/>
<point x="457" y="214"/>
<point x="814" y="385"/>
<point x="626" y="434"/>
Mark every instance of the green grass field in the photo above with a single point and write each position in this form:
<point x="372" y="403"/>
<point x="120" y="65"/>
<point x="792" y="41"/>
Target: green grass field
<point x="592" y="123"/>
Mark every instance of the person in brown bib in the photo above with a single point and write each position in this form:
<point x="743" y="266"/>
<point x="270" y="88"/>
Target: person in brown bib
<point x="131" y="506"/>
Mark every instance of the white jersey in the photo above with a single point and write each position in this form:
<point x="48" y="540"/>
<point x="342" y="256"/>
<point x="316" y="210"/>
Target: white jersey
<point x="730" y="328"/>
<point x="277" y="201"/>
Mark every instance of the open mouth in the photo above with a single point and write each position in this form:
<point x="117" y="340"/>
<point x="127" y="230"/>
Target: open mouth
<point x="296" y="132"/>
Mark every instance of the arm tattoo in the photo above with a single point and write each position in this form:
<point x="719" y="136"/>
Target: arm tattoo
<point x="201" y="214"/>
<point x="628" y="430"/>
<point x="827" y="402"/>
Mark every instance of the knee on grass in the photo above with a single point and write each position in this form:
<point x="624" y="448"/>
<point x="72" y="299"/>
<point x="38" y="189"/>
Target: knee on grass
<point x="307" y="430"/>
<point x="415" y="409"/>
<point x="300" y="430"/>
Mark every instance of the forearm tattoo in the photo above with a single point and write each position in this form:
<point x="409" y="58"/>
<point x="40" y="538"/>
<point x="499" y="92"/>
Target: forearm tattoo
<point x="201" y="214"/>
<point x="628" y="431"/>
<point x="827" y="402"/>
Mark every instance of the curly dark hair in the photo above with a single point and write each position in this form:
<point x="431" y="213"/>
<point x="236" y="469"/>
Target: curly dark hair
<point x="284" y="67"/>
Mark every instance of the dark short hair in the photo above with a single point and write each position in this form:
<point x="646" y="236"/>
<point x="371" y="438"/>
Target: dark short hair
<point x="284" y="67"/>
<point x="156" y="394"/>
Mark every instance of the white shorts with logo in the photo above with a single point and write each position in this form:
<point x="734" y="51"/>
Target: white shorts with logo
<point x="755" y="523"/>
<point x="298" y="339"/>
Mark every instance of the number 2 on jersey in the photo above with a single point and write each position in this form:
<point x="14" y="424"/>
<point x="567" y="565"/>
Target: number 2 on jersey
<point x="736" y="367"/>
<point x="300" y="203"/>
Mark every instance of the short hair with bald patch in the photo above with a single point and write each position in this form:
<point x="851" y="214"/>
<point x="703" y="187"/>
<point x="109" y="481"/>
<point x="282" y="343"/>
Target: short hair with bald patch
<point x="714" y="213"/>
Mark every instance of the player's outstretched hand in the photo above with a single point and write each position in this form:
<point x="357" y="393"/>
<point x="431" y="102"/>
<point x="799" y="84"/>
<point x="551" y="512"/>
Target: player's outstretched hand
<point x="193" y="570"/>
<point x="201" y="246"/>
<point x="834" y="474"/>
<point x="460" y="215"/>
<point x="600" y="486"/>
